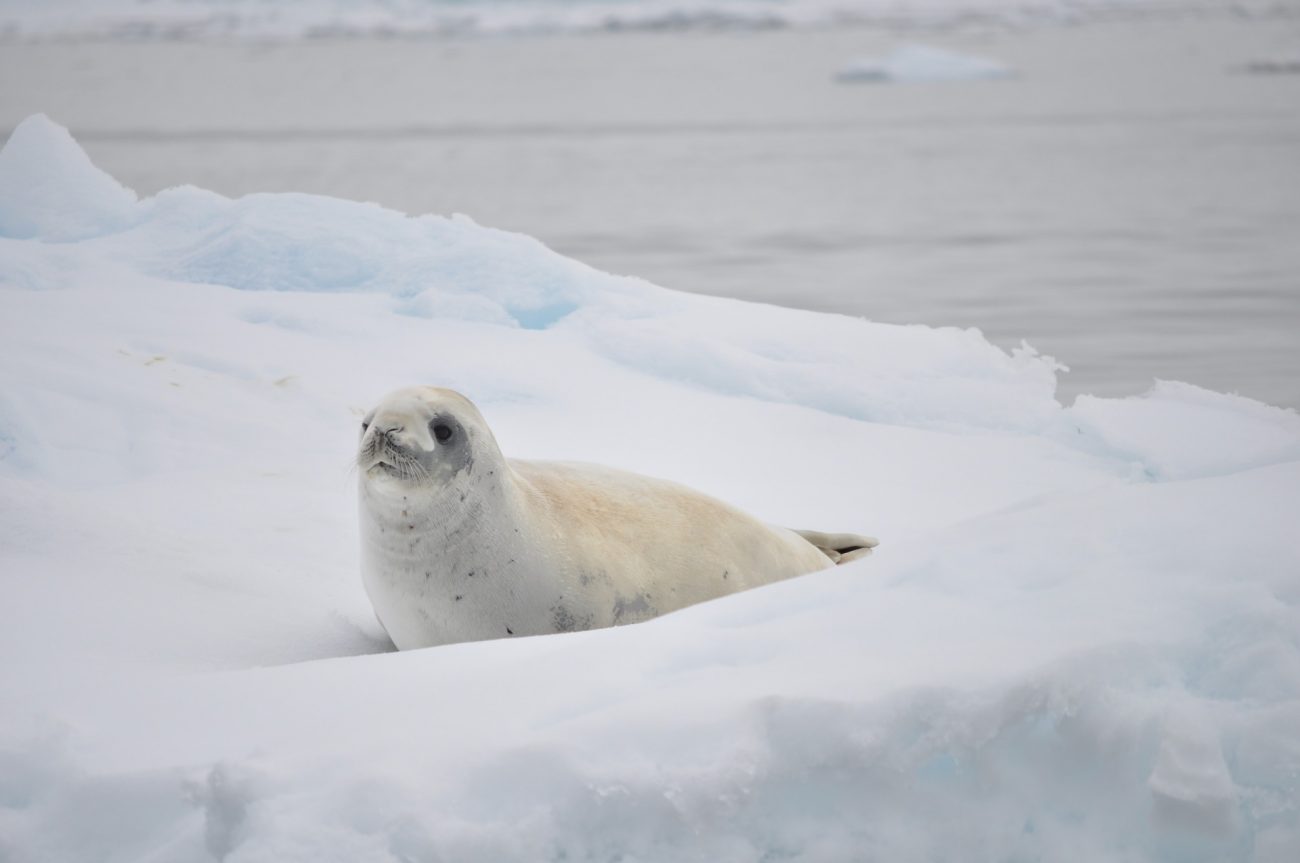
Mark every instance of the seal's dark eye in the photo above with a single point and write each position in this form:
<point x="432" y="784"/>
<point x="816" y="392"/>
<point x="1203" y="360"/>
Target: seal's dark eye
<point x="364" y="425"/>
<point x="442" y="432"/>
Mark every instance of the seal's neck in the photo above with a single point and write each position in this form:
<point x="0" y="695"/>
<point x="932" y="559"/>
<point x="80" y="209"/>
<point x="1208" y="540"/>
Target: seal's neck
<point x="450" y="563"/>
<point x="450" y="502"/>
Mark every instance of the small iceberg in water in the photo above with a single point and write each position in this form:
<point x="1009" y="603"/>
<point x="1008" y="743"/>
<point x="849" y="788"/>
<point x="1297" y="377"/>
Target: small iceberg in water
<point x="919" y="63"/>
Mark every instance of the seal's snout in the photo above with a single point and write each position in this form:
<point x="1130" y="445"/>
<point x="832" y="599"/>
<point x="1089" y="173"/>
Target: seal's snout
<point x="388" y="449"/>
<point x="387" y="437"/>
<point x="392" y="440"/>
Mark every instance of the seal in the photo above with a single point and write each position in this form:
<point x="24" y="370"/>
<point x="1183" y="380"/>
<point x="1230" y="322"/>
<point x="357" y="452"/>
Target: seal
<point x="459" y="543"/>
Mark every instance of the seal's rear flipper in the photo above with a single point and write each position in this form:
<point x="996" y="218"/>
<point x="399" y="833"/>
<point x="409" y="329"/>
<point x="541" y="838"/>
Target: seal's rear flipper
<point x="840" y="547"/>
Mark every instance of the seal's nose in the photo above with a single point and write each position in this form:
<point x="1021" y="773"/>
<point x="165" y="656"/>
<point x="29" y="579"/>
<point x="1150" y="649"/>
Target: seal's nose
<point x="393" y="437"/>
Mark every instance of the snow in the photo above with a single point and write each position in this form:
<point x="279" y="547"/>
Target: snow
<point x="916" y="63"/>
<point x="51" y="190"/>
<point x="1080" y="638"/>
<point x="1232" y="433"/>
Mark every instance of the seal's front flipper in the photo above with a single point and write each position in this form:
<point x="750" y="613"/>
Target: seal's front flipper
<point x="840" y="547"/>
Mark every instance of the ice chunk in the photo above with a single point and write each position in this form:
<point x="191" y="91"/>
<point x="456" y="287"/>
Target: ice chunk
<point x="49" y="188"/>
<point x="920" y="63"/>
<point x="1179" y="431"/>
<point x="1190" y="784"/>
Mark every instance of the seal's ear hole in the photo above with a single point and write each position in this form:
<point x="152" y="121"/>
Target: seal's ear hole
<point x="441" y="431"/>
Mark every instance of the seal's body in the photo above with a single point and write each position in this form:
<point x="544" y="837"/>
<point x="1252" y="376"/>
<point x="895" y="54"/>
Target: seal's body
<point x="461" y="544"/>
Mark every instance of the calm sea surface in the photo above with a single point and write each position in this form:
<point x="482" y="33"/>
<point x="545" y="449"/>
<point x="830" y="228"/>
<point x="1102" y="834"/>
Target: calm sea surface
<point x="1129" y="204"/>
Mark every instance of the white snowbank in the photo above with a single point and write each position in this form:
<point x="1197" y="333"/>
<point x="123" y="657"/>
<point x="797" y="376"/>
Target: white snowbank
<point x="50" y="189"/>
<point x="1189" y="432"/>
<point x="1079" y="640"/>
<point x="914" y="63"/>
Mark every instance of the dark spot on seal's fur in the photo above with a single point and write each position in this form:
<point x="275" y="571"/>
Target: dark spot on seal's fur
<point x="564" y="620"/>
<point x="561" y="619"/>
<point x="725" y="572"/>
<point x="459" y="597"/>
<point x="469" y="574"/>
<point x="509" y="631"/>
<point x="632" y="610"/>
<point x="599" y="576"/>
<point x="428" y="574"/>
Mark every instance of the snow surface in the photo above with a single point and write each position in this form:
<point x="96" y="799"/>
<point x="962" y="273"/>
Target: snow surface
<point x="915" y="63"/>
<point x="1080" y="638"/>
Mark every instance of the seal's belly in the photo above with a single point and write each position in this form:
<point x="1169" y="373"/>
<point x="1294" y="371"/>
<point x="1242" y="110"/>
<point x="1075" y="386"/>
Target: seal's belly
<point x="639" y="582"/>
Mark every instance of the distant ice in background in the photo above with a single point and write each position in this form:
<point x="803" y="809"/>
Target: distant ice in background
<point x="289" y="19"/>
<point x="1280" y="65"/>
<point x="922" y="63"/>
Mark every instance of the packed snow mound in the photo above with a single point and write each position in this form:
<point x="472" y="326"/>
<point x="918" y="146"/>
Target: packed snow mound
<point x="437" y="268"/>
<point x="50" y="189"/>
<point x="1179" y="431"/>
<point x="1078" y="639"/>
<point x="920" y="64"/>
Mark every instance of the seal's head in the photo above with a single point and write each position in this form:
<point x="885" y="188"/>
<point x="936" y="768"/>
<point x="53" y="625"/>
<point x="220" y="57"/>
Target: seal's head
<point x="421" y="436"/>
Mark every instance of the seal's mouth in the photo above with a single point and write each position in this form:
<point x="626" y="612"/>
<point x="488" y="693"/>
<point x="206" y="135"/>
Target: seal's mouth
<point x="396" y="466"/>
<point x="383" y="468"/>
<point x="379" y="456"/>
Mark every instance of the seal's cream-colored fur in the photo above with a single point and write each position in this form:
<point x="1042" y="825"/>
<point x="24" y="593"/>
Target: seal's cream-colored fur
<point x="461" y="544"/>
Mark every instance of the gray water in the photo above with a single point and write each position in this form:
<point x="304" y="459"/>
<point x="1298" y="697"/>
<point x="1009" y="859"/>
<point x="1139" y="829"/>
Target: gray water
<point x="1130" y="204"/>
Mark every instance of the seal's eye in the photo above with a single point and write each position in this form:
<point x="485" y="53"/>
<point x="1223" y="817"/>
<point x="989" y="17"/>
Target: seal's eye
<point x="442" y="432"/>
<point x="365" y="425"/>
